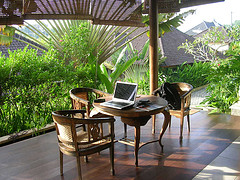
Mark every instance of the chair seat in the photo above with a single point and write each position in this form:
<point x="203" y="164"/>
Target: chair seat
<point x="177" y="113"/>
<point x="95" y="114"/>
<point x="82" y="137"/>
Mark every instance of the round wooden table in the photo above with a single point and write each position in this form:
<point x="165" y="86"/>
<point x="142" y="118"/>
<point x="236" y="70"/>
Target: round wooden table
<point x="137" y="117"/>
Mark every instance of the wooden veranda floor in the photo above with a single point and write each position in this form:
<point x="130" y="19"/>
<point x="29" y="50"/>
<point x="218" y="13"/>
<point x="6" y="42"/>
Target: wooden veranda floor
<point x="38" y="157"/>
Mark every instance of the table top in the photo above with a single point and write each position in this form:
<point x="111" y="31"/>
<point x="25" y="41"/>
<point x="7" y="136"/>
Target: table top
<point x="157" y="105"/>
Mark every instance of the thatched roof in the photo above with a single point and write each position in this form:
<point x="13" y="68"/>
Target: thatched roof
<point x="169" y="44"/>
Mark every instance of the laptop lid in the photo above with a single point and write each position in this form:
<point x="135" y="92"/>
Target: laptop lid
<point x="125" y="92"/>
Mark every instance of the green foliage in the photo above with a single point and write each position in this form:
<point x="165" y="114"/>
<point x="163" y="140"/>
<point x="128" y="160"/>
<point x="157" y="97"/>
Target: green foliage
<point x="33" y="86"/>
<point x="206" y="48"/>
<point x="6" y="35"/>
<point x="139" y="71"/>
<point x="123" y="65"/>
<point x="166" y="21"/>
<point x="237" y="22"/>
<point x="105" y="38"/>
<point x="195" y="74"/>
<point x="30" y="107"/>
<point x="75" y="45"/>
<point x="225" y="80"/>
<point x="109" y="79"/>
<point x="234" y="33"/>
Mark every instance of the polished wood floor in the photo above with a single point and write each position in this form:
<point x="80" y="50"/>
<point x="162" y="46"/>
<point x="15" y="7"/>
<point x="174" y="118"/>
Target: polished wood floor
<point x="38" y="157"/>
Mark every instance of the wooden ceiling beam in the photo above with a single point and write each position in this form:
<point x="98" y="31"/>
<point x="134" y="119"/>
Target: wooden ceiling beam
<point x="190" y="3"/>
<point x="56" y="16"/>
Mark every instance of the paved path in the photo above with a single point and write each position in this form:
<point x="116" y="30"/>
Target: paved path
<point x="198" y="96"/>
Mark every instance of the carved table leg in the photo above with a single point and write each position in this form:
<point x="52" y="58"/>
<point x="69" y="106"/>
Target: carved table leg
<point x="136" y="143"/>
<point x="164" y="127"/>
<point x="125" y="130"/>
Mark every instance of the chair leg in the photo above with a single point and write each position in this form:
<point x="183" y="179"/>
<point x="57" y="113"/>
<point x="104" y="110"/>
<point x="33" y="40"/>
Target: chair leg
<point x="112" y="159"/>
<point x="153" y="123"/>
<point x="125" y="130"/>
<point x="169" y="124"/>
<point x="79" y="168"/>
<point x="181" y="128"/>
<point x="61" y="162"/>
<point x="188" y="119"/>
<point x="86" y="159"/>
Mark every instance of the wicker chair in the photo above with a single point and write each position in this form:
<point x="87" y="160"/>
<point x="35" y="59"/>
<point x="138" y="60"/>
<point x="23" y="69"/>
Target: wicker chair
<point x="82" y="98"/>
<point x="82" y="143"/>
<point x="184" y="90"/>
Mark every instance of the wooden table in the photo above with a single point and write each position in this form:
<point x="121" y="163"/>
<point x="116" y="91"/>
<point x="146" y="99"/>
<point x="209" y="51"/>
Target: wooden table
<point x="138" y="117"/>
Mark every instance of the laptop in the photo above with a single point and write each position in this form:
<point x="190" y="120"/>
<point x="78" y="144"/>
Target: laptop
<point x="124" y="95"/>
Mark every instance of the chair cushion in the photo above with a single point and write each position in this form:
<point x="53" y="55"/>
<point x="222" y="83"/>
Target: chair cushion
<point x="170" y="93"/>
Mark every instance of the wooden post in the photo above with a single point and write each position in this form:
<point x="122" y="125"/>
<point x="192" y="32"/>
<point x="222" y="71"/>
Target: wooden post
<point x="153" y="47"/>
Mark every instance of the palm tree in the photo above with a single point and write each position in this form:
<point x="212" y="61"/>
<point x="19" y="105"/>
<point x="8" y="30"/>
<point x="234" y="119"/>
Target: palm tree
<point x="107" y="37"/>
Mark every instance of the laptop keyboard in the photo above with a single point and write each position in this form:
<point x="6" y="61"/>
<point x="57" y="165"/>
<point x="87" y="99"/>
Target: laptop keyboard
<point x="119" y="103"/>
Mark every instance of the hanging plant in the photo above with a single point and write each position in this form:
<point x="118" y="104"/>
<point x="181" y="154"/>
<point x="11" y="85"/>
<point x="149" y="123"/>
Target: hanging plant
<point x="6" y="35"/>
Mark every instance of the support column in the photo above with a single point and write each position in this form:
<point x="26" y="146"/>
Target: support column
<point x="153" y="47"/>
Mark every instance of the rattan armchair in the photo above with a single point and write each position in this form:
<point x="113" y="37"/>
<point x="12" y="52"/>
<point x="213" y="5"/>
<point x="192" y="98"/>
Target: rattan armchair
<point x="184" y="90"/>
<point x="82" y="98"/>
<point x="82" y="143"/>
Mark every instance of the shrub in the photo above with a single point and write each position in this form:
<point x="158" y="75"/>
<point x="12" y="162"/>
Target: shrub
<point x="195" y="74"/>
<point x="225" y="80"/>
<point x="34" y="86"/>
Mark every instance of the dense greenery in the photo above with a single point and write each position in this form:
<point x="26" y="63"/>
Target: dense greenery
<point x="224" y="74"/>
<point x="225" y="80"/>
<point x="33" y="86"/>
<point x="195" y="74"/>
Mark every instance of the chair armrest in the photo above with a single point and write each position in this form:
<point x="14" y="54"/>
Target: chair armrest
<point x="94" y="120"/>
<point x="155" y="92"/>
<point x="83" y="101"/>
<point x="101" y="93"/>
<point x="68" y="112"/>
<point x="186" y="94"/>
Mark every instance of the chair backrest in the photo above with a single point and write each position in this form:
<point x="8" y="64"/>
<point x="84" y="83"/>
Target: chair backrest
<point x="177" y="94"/>
<point x="183" y="87"/>
<point x="82" y="98"/>
<point x="68" y="136"/>
<point x="184" y="90"/>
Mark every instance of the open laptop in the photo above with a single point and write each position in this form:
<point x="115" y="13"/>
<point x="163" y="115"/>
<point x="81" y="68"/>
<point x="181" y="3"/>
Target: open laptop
<point x="124" y="95"/>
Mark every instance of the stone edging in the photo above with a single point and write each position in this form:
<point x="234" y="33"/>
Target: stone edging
<point x="196" y="89"/>
<point x="8" y="139"/>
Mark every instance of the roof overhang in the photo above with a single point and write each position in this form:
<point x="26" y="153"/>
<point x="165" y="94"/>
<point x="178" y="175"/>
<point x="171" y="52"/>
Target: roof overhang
<point x="107" y="12"/>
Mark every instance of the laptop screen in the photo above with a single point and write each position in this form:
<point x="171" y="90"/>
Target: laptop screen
<point x="125" y="91"/>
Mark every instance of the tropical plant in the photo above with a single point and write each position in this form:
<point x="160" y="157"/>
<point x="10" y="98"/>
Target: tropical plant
<point x="195" y="74"/>
<point x="107" y="37"/>
<point x="225" y="80"/>
<point x="207" y="47"/>
<point x="137" y="71"/>
<point x="6" y="35"/>
<point x="109" y="78"/>
<point x="200" y="50"/>
<point x="166" y="21"/>
<point x="122" y="65"/>
<point x="33" y="86"/>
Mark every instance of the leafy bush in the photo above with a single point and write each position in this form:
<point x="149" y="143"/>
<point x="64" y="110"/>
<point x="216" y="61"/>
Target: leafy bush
<point x="195" y="74"/>
<point x="75" y="45"/>
<point x="30" y="107"/>
<point x="33" y="86"/>
<point x="225" y="80"/>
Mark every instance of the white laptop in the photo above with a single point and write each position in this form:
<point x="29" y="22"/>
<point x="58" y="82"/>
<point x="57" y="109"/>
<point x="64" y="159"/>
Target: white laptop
<point x="124" y="95"/>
